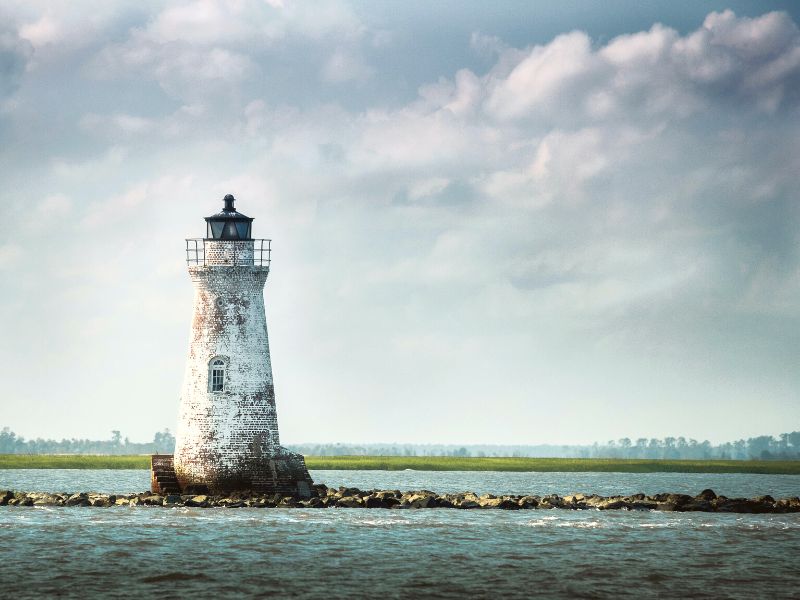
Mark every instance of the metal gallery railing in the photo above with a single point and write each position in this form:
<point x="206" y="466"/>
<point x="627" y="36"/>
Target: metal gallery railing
<point x="231" y="253"/>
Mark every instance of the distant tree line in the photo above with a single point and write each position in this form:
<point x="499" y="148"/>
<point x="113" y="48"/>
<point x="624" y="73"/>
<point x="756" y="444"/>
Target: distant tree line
<point x="763" y="447"/>
<point x="10" y="443"/>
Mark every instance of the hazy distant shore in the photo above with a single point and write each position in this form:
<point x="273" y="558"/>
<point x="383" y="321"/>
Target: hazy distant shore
<point x="433" y="463"/>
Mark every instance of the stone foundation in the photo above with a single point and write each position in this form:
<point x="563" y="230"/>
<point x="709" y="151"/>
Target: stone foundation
<point x="283" y="473"/>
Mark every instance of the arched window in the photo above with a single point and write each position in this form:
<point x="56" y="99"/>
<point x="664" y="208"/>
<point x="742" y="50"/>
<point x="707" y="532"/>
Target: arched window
<point x="216" y="375"/>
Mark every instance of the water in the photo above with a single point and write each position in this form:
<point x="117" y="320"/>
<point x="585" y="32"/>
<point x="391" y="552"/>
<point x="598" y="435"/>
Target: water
<point x="607" y="484"/>
<point x="325" y="553"/>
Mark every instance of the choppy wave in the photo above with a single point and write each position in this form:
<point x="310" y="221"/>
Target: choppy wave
<point x="84" y="552"/>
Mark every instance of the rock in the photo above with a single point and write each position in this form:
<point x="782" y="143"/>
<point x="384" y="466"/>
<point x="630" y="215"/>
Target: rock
<point x="644" y="504"/>
<point x="350" y="502"/>
<point x="444" y="502"/>
<point x="612" y="503"/>
<point x="421" y="501"/>
<point x="380" y="501"/>
<point x="674" y="500"/>
<point x="697" y="506"/>
<point x="574" y="499"/>
<point x="99" y="500"/>
<point x="172" y="499"/>
<point x="43" y="499"/>
<point x="153" y="500"/>
<point x="468" y="496"/>
<point x="20" y="499"/>
<point x="313" y="502"/>
<point x="122" y="501"/>
<point x="5" y="496"/>
<point x="257" y="502"/>
<point x="81" y="499"/>
<point x="485" y="502"/>
<point x="551" y="501"/>
<point x="707" y="495"/>
<point x="787" y="505"/>
<point x="383" y="499"/>
<point x="528" y="502"/>
<point x="200" y="501"/>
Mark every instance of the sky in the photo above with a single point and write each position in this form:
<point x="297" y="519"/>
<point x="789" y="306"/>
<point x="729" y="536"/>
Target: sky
<point x="510" y="222"/>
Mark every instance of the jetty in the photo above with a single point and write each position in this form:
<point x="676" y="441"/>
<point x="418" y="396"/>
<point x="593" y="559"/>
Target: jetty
<point x="348" y="498"/>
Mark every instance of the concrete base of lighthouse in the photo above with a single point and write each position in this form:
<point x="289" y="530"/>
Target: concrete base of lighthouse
<point x="283" y="473"/>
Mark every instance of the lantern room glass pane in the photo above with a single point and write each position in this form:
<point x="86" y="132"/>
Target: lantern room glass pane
<point x="216" y="229"/>
<point x="230" y="231"/>
<point x="242" y="227"/>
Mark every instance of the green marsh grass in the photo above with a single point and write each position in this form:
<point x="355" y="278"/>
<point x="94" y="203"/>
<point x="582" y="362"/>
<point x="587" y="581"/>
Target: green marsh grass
<point x="437" y="463"/>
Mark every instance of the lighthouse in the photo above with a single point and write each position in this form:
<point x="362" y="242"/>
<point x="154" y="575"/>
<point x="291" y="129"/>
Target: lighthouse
<point x="227" y="435"/>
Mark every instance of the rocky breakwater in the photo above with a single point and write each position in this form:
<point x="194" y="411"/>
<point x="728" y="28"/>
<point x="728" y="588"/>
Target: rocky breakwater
<point x="345" y="497"/>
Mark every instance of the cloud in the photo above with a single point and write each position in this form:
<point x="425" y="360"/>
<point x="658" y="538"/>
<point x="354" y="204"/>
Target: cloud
<point x="571" y="214"/>
<point x="753" y="63"/>
<point x="182" y="70"/>
<point x="344" y="65"/>
<point x="209" y="47"/>
<point x="14" y="56"/>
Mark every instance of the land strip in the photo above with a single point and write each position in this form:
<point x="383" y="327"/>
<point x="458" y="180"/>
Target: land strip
<point x="437" y="463"/>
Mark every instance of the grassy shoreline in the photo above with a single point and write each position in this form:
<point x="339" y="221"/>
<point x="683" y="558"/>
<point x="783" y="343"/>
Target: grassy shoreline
<point x="438" y="463"/>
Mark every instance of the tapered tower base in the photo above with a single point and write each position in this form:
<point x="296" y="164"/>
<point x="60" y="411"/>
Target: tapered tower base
<point x="285" y="474"/>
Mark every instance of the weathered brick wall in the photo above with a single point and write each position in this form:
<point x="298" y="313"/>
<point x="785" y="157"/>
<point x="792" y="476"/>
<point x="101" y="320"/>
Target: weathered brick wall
<point x="229" y="439"/>
<point x="227" y="252"/>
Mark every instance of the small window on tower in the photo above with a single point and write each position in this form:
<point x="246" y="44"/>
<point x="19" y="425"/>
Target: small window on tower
<point x="217" y="379"/>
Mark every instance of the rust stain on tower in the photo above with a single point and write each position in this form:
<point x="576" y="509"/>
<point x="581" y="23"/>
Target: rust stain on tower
<point x="227" y="437"/>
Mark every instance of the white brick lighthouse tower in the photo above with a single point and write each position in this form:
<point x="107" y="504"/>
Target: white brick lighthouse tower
<point x="227" y="435"/>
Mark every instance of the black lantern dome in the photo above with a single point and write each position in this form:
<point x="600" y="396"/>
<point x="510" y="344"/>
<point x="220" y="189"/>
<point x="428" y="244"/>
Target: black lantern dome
<point x="228" y="224"/>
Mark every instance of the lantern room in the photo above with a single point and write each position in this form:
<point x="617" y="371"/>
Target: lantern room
<point x="228" y="224"/>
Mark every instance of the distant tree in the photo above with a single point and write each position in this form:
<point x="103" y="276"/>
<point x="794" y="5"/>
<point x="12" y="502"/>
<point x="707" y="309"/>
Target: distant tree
<point x="759" y="447"/>
<point x="794" y="440"/>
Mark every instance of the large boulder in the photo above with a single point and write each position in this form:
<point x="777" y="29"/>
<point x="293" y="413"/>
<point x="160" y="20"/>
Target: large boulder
<point x="43" y="499"/>
<point x="99" y="500"/>
<point x="350" y="502"/>
<point x="708" y="495"/>
<point x="200" y="501"/>
<point x="489" y="502"/>
<point x="81" y="499"/>
<point x="425" y="500"/>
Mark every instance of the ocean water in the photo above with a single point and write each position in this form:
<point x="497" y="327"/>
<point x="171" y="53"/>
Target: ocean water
<point x="332" y="553"/>
<point x="732" y="485"/>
